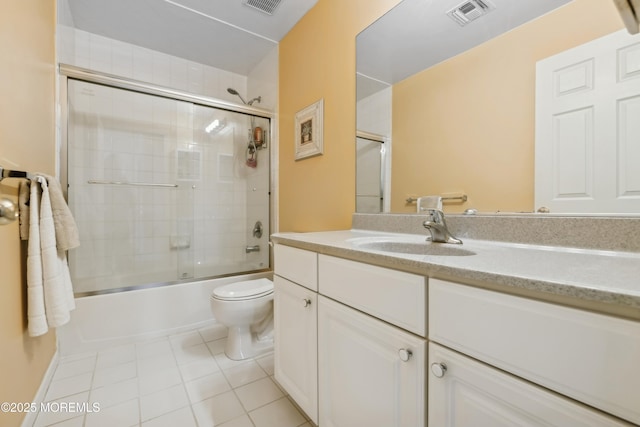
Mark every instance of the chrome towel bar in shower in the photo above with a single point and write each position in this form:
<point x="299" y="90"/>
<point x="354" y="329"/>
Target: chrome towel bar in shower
<point x="138" y="184"/>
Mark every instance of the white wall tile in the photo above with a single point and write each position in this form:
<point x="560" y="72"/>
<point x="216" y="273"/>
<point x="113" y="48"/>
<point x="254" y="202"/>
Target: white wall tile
<point x="130" y="154"/>
<point x="100" y="53"/>
<point x="161" y="69"/>
<point x="179" y="73"/>
<point x="142" y="64"/>
<point x="122" y="57"/>
<point x="195" y="77"/>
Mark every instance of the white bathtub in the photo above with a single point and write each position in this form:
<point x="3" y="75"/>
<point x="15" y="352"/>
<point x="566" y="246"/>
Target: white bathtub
<point x="103" y="321"/>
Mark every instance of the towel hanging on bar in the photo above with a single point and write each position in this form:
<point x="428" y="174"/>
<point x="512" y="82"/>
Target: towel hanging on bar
<point x="67" y="236"/>
<point x="49" y="290"/>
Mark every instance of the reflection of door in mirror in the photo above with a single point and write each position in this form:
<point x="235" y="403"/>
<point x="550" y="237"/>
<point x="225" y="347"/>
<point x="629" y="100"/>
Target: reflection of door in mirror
<point x="587" y="129"/>
<point x="465" y="120"/>
<point x="369" y="173"/>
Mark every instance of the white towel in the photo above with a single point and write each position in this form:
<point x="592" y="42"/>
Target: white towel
<point x="67" y="236"/>
<point x="23" y="204"/>
<point x="429" y="202"/>
<point x="36" y="316"/>
<point x="49" y="290"/>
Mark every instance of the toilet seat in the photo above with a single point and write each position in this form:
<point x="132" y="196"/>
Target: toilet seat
<point x="248" y="289"/>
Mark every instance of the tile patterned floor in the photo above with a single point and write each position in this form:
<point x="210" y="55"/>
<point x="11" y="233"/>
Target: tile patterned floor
<point x="181" y="380"/>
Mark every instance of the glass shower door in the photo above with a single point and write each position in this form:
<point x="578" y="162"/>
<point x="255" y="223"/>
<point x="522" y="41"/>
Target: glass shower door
<point x="232" y="194"/>
<point x="159" y="196"/>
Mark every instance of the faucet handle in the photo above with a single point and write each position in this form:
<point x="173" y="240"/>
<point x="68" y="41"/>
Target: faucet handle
<point x="437" y="227"/>
<point x="434" y="215"/>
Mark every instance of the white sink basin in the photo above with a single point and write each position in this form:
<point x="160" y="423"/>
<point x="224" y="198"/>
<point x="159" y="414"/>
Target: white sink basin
<point x="417" y="245"/>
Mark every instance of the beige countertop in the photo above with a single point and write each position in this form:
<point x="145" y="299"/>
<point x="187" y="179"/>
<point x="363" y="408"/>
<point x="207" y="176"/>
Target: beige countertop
<point x="599" y="280"/>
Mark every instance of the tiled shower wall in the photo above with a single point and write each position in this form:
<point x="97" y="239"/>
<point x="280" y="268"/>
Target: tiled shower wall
<point x="95" y="52"/>
<point x="215" y="236"/>
<point x="183" y="209"/>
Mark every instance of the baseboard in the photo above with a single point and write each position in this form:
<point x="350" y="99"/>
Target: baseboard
<point x="30" y="419"/>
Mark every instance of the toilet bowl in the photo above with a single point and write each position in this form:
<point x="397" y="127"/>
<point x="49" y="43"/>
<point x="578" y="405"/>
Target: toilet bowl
<point x="246" y="308"/>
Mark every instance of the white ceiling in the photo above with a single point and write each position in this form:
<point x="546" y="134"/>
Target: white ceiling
<point x="226" y="34"/>
<point x="418" y="34"/>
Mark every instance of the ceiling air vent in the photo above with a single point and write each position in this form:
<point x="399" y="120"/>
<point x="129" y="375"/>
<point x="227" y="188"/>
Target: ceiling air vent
<point x="470" y="10"/>
<point x="265" y="6"/>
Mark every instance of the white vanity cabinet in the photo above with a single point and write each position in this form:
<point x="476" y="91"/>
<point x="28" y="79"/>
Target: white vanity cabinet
<point x="340" y="363"/>
<point x="589" y="357"/>
<point x="370" y="373"/>
<point x="466" y="393"/>
<point x="295" y="321"/>
<point x="371" y="369"/>
<point x="351" y="350"/>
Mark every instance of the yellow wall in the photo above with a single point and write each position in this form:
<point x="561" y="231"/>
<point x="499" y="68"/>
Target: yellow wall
<point x="317" y="60"/>
<point x="476" y="122"/>
<point x="27" y="132"/>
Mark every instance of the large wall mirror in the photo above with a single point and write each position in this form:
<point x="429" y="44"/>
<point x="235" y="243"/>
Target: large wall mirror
<point x="449" y="86"/>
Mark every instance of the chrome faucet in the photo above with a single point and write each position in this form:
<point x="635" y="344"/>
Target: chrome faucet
<point x="437" y="226"/>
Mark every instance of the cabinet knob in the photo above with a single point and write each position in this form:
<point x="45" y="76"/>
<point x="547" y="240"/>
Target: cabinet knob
<point x="306" y="302"/>
<point x="438" y="369"/>
<point x="405" y="354"/>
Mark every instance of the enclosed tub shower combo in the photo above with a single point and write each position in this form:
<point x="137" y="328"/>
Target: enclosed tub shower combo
<point x="167" y="188"/>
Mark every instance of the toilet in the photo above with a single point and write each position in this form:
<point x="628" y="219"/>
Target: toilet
<point x="246" y="308"/>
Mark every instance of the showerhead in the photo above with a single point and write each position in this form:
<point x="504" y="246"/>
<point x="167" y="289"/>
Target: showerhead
<point x="232" y="91"/>
<point x="256" y="99"/>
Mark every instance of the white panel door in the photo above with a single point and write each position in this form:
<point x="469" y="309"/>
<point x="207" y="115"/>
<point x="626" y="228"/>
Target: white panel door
<point x="296" y="340"/>
<point x="467" y="393"/>
<point x="369" y="372"/>
<point x="587" y="128"/>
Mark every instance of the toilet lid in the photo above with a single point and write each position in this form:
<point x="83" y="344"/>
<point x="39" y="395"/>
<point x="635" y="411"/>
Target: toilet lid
<point x="244" y="290"/>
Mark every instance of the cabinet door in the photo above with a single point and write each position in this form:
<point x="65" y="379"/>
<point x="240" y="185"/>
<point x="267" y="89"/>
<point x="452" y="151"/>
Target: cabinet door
<point x="589" y="357"/>
<point x="369" y="372"/>
<point x="295" y="341"/>
<point x="466" y="393"/>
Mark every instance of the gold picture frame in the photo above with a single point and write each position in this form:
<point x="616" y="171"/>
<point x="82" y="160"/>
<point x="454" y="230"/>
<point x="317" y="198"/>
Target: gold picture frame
<point x="308" y="131"/>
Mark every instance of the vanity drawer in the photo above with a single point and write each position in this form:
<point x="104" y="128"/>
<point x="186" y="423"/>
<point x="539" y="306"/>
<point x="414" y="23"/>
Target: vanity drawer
<point x="298" y="265"/>
<point x="590" y="357"/>
<point x="393" y="296"/>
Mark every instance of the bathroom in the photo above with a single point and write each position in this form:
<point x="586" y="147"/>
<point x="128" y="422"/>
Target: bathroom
<point x="307" y="195"/>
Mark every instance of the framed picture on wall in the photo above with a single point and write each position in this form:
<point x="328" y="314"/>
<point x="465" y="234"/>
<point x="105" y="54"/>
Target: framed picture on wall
<point x="308" y="130"/>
